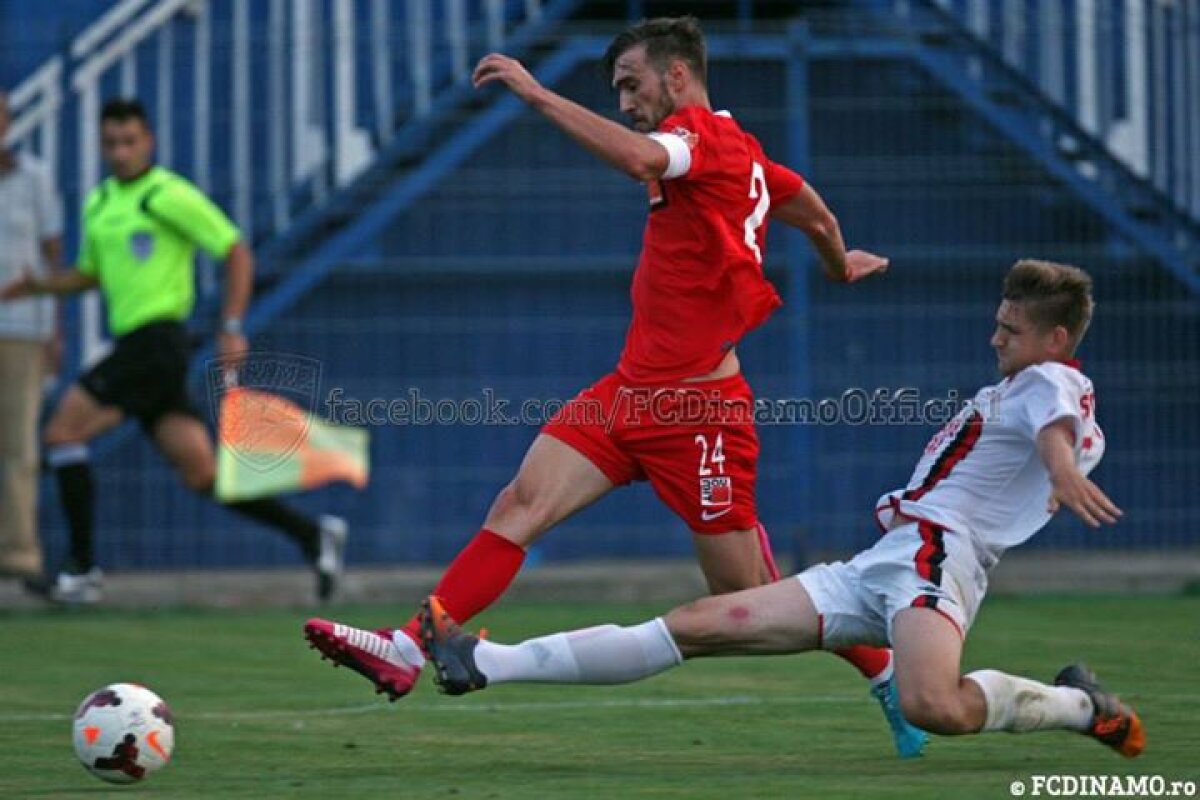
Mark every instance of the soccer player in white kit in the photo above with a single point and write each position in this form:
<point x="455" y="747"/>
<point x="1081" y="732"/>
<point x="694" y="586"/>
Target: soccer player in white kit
<point x="989" y="480"/>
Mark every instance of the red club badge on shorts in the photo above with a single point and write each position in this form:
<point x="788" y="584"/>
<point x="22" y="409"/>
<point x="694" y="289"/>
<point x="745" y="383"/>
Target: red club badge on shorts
<point x="716" y="491"/>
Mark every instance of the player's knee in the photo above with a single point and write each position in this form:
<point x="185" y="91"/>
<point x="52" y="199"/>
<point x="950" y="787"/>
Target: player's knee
<point x="935" y="710"/>
<point x="691" y="627"/>
<point x="704" y="627"/>
<point x="520" y="506"/>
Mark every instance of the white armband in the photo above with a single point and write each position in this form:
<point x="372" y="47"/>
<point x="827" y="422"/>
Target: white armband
<point x="679" y="155"/>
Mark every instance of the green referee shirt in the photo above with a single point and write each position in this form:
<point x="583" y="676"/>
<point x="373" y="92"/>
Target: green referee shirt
<point x="140" y="239"/>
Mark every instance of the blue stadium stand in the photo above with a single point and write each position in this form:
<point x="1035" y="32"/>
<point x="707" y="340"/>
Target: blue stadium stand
<point x="483" y="249"/>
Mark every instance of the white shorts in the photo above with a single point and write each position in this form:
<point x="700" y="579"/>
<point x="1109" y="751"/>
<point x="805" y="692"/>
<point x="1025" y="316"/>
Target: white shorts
<point x="919" y="565"/>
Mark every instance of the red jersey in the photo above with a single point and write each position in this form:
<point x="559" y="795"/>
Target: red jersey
<point x="699" y="285"/>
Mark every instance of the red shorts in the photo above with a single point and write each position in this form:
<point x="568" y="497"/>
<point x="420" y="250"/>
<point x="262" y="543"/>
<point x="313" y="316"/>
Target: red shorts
<point x="694" y="442"/>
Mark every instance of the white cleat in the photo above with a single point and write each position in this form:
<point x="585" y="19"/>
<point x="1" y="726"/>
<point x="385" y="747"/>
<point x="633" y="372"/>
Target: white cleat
<point x="78" y="590"/>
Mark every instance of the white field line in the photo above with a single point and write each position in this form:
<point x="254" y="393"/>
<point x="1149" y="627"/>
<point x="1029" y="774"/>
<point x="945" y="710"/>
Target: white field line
<point x="482" y="708"/>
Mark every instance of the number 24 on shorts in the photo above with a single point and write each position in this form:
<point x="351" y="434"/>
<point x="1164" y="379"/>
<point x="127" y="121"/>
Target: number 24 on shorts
<point x="714" y="490"/>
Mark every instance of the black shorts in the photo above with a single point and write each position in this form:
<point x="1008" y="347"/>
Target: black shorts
<point x="145" y="375"/>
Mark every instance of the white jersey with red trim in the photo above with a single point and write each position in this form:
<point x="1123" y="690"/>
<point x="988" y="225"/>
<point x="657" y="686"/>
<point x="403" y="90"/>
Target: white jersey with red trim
<point x="981" y="474"/>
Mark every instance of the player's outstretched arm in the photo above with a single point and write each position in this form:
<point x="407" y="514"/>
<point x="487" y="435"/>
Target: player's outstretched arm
<point x="68" y="281"/>
<point x="1070" y="487"/>
<point x="808" y="212"/>
<point x="635" y="154"/>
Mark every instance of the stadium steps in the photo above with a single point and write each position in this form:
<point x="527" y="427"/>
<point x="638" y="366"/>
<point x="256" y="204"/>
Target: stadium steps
<point x="411" y="145"/>
<point x="1014" y="105"/>
<point x="961" y="198"/>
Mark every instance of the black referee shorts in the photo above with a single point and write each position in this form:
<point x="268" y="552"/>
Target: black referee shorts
<point x="145" y="375"/>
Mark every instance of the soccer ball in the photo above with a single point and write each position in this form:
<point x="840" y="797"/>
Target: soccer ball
<point x="123" y="732"/>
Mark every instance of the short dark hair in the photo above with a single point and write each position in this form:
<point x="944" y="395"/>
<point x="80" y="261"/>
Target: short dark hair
<point x="665" y="38"/>
<point x="123" y="109"/>
<point x="1052" y="294"/>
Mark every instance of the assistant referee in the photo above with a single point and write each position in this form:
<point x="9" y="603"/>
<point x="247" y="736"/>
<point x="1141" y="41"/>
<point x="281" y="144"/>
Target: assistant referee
<point x="141" y="228"/>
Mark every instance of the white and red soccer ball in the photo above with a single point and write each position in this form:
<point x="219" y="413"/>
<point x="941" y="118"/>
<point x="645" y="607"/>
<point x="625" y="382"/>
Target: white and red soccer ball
<point x="123" y="732"/>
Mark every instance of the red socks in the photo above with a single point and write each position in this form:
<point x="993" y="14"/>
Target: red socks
<point x="475" y="579"/>
<point x="870" y="661"/>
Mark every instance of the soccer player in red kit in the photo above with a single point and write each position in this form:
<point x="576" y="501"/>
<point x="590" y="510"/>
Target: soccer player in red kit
<point x="677" y="410"/>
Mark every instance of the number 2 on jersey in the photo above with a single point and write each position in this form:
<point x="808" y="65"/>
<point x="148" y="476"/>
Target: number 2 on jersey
<point x="758" y="189"/>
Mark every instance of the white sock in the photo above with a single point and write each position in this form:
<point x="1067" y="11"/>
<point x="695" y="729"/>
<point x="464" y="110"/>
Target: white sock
<point x="601" y="655"/>
<point x="408" y="648"/>
<point x="1019" y="705"/>
<point x="887" y="672"/>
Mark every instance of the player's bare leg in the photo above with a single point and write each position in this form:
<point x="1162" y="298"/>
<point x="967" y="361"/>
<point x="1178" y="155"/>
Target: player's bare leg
<point x="184" y="442"/>
<point x="773" y="619"/>
<point x="79" y="418"/>
<point x="553" y="482"/>
<point x="936" y="697"/>
<point x="731" y="561"/>
<point x="76" y="420"/>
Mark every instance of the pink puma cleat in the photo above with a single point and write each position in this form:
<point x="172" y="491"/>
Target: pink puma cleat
<point x="369" y="653"/>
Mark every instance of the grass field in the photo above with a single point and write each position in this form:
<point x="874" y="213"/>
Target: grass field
<point x="260" y="716"/>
